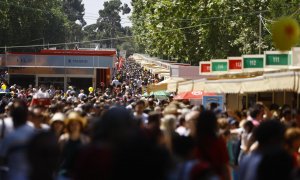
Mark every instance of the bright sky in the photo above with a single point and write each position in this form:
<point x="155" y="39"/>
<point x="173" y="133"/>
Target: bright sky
<point x="92" y="8"/>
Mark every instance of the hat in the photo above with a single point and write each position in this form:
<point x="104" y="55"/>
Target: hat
<point x="75" y="116"/>
<point x="57" y="117"/>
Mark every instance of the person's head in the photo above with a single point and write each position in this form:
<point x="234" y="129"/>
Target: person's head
<point x="75" y="122"/>
<point x="248" y="126"/>
<point x="168" y="123"/>
<point x="292" y="139"/>
<point x="114" y="126"/>
<point x="269" y="133"/>
<point x="287" y="114"/>
<point x="257" y="112"/>
<point x="207" y="124"/>
<point x="19" y="113"/>
<point x="57" y="123"/>
<point x="140" y="106"/>
<point x="158" y="109"/>
<point x="213" y="106"/>
<point x="154" y="120"/>
<point x="171" y="109"/>
<point x="36" y="116"/>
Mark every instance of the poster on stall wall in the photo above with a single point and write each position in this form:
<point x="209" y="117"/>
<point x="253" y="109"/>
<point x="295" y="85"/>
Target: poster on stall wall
<point x="207" y="100"/>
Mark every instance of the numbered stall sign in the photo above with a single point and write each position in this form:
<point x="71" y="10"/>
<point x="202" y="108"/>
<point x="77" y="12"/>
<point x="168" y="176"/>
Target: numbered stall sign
<point x="235" y="63"/>
<point x="204" y="68"/>
<point x="253" y="62"/>
<point x="219" y="66"/>
<point x="277" y="59"/>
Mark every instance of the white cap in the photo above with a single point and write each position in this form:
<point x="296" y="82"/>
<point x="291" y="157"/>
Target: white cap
<point x="58" y="117"/>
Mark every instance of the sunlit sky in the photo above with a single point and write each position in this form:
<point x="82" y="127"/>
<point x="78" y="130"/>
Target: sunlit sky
<point x="92" y="8"/>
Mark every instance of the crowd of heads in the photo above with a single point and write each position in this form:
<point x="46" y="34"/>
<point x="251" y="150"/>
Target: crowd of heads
<point x="117" y="133"/>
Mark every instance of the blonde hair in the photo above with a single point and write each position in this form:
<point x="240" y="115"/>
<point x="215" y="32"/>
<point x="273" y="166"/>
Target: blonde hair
<point x="291" y="135"/>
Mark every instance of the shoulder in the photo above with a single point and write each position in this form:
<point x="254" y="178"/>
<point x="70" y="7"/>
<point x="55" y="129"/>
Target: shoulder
<point x="145" y="115"/>
<point x="84" y="139"/>
<point x="63" y="138"/>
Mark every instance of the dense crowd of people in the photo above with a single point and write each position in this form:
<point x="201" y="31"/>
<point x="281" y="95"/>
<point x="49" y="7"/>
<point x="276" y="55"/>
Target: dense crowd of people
<point x="120" y="134"/>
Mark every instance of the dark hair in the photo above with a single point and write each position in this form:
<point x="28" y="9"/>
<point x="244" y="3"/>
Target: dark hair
<point x="114" y="125"/>
<point x="269" y="132"/>
<point x="207" y="124"/>
<point x="141" y="102"/>
<point x="213" y="105"/>
<point x="19" y="112"/>
<point x="249" y="125"/>
<point x="254" y="112"/>
<point x="154" y="117"/>
<point x="274" y="107"/>
<point x="286" y="112"/>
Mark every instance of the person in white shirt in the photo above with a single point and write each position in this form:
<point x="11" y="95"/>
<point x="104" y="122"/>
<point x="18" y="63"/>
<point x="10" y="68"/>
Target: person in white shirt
<point x="139" y="82"/>
<point x="42" y="93"/>
<point x="81" y="94"/>
<point x="115" y="82"/>
<point x="139" y="112"/>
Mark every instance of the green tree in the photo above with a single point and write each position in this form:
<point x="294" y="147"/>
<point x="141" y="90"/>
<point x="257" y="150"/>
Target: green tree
<point x="193" y="31"/>
<point x="74" y="10"/>
<point x="109" y="21"/>
<point x="32" y="22"/>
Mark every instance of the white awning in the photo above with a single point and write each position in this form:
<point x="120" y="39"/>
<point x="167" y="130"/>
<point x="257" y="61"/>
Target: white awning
<point x="185" y="86"/>
<point x="280" y="81"/>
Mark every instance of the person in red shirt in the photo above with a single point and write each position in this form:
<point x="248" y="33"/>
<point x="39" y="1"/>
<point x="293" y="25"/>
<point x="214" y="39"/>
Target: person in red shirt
<point x="292" y="139"/>
<point x="211" y="148"/>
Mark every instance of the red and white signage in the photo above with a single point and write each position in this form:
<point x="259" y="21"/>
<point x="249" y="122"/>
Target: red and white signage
<point x="235" y="63"/>
<point x="204" y="67"/>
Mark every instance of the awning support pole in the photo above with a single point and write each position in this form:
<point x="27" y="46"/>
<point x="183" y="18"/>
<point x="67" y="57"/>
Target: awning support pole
<point x="247" y="100"/>
<point x="297" y="100"/>
<point x="238" y="100"/>
<point x="284" y="97"/>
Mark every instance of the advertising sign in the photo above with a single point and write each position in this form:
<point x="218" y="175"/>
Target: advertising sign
<point x="204" y="67"/>
<point x="79" y="61"/>
<point x="207" y="100"/>
<point x="20" y="60"/>
<point x="15" y="60"/>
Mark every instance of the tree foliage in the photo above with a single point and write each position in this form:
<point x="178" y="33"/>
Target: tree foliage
<point x="108" y="26"/>
<point x="39" y="21"/>
<point x="193" y="31"/>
